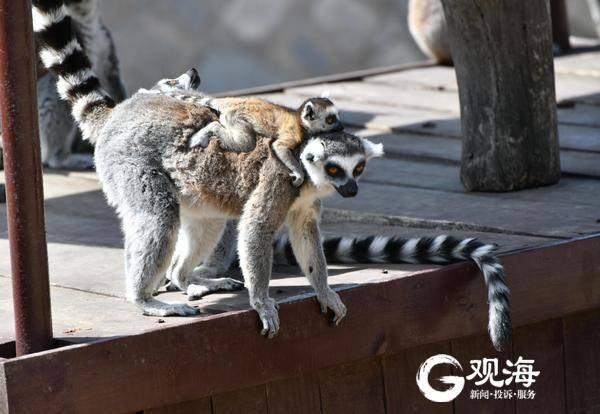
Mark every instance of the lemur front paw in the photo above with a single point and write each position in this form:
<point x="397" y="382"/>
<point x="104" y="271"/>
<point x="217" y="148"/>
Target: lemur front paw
<point x="269" y="317"/>
<point x="297" y="178"/>
<point x="331" y="300"/>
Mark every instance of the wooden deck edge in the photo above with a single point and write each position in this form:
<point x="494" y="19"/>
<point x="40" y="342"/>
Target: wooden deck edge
<point x="336" y="77"/>
<point x="225" y="352"/>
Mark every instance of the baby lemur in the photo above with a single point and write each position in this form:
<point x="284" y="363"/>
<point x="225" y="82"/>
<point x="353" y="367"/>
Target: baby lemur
<point x="241" y="119"/>
<point x="174" y="200"/>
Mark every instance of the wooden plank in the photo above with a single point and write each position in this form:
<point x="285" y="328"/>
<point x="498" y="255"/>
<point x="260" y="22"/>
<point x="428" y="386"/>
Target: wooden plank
<point x="353" y="388"/>
<point x="252" y="400"/>
<point x="444" y="177"/>
<point x="480" y="211"/>
<point x="579" y="132"/>
<point x="384" y="318"/>
<point x="542" y="343"/>
<point x="437" y="78"/>
<point x="478" y="348"/>
<point x="201" y="406"/>
<point x="401" y="391"/>
<point x="582" y="360"/>
<point x="583" y="89"/>
<point x="576" y="113"/>
<point x="403" y="96"/>
<point x="581" y="64"/>
<point x="449" y="150"/>
<point x="336" y="77"/>
<point x="294" y="395"/>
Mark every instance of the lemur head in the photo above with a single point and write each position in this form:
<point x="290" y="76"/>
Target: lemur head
<point x="319" y="115"/>
<point x="337" y="160"/>
<point x="190" y="80"/>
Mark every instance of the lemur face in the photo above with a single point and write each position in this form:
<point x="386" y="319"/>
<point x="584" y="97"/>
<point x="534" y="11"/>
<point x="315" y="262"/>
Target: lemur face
<point x="190" y="80"/>
<point x="320" y="115"/>
<point x="337" y="161"/>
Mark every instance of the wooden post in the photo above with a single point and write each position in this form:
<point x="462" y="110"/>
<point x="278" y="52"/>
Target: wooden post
<point x="502" y="52"/>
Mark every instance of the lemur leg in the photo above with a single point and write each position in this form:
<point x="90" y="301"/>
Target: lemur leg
<point x="149" y="244"/>
<point x="263" y="214"/>
<point x="287" y="157"/>
<point x="213" y="130"/>
<point x="198" y="285"/>
<point x="305" y="237"/>
<point x="197" y="239"/>
<point x="222" y="256"/>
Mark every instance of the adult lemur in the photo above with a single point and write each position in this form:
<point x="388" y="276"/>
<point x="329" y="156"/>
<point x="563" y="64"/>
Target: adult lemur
<point x="174" y="201"/>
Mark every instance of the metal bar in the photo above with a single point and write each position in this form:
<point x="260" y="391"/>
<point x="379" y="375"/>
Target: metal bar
<point x="22" y="168"/>
<point x="560" y="24"/>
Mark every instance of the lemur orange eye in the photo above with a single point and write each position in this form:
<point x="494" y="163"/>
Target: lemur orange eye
<point x="359" y="169"/>
<point x="330" y="119"/>
<point x="333" y="170"/>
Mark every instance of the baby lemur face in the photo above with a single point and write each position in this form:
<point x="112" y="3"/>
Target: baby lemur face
<point x="337" y="160"/>
<point x="190" y="80"/>
<point x="320" y="115"/>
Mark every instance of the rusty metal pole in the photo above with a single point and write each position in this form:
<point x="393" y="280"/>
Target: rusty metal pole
<point x="23" y="172"/>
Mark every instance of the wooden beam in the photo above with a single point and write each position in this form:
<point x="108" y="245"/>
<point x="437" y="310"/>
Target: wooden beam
<point x="502" y="53"/>
<point x="225" y="352"/>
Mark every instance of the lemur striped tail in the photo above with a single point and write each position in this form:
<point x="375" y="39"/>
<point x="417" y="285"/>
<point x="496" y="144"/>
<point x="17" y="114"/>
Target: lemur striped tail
<point x="63" y="55"/>
<point x="436" y="250"/>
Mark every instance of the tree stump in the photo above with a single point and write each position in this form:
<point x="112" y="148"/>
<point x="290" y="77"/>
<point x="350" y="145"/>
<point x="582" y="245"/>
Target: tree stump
<point x="502" y="52"/>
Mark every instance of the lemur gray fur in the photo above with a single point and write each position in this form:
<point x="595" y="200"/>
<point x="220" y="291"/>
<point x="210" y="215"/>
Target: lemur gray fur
<point x="174" y="201"/>
<point x="241" y="119"/>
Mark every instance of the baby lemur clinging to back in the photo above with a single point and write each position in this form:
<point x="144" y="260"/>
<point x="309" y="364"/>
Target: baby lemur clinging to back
<point x="241" y="119"/>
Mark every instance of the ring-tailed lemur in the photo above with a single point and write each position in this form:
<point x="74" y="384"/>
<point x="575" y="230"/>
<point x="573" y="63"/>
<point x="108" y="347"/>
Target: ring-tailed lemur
<point x="58" y="131"/>
<point x="174" y="201"/>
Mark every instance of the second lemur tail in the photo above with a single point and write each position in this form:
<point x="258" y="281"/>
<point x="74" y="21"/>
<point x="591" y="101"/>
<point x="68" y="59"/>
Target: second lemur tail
<point x="435" y="250"/>
<point x="63" y="55"/>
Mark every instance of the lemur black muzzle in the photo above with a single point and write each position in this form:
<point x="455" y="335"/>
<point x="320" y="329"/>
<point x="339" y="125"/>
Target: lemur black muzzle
<point x="350" y="189"/>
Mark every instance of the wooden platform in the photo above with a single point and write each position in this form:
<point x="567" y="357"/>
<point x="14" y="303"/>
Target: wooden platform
<point x="550" y="238"/>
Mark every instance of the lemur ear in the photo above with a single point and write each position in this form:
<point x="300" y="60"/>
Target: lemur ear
<point x="372" y="150"/>
<point x="325" y="94"/>
<point x="308" y="112"/>
<point x="184" y="81"/>
<point x="314" y="151"/>
<point x="194" y="82"/>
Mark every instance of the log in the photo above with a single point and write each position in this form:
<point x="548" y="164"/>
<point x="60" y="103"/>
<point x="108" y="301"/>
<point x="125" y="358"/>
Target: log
<point x="502" y="53"/>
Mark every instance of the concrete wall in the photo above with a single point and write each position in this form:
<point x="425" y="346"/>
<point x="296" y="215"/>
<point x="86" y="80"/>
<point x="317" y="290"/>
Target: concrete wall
<point x="243" y="43"/>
